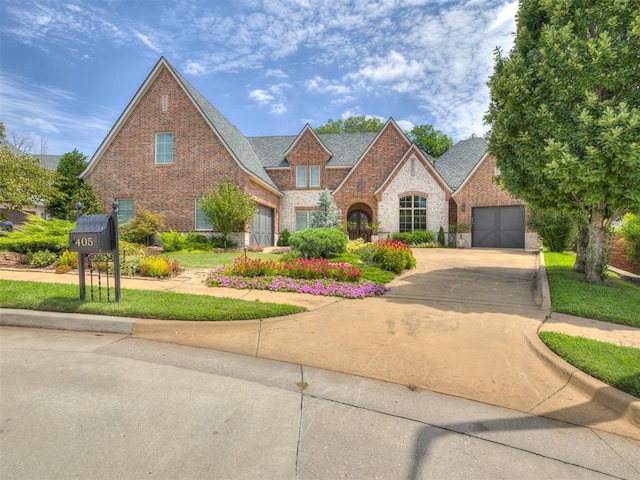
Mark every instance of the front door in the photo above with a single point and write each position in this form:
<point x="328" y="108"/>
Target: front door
<point x="358" y="221"/>
<point x="262" y="227"/>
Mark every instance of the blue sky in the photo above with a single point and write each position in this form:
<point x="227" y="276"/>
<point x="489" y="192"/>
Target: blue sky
<point x="69" y="68"/>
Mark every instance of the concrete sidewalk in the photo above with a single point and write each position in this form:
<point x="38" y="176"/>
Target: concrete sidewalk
<point x="463" y="323"/>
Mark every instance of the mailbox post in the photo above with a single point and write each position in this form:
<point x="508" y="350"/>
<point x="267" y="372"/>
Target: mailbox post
<point x="96" y="234"/>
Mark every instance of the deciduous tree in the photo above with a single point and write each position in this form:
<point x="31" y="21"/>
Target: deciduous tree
<point x="432" y="141"/>
<point x="355" y="124"/>
<point x="565" y="114"/>
<point x="228" y="207"/>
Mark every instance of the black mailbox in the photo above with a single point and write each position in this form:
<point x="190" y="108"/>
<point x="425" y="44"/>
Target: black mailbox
<point x="93" y="234"/>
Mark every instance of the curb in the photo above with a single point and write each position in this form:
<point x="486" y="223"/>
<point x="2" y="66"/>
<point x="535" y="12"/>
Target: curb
<point x="625" y="405"/>
<point x="10" y="317"/>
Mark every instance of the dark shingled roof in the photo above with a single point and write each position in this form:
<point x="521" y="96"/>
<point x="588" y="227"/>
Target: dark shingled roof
<point x="50" y="162"/>
<point x="229" y="134"/>
<point x="347" y="148"/>
<point x="458" y="162"/>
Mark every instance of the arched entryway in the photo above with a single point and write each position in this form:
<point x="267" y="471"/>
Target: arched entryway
<point x="358" y="219"/>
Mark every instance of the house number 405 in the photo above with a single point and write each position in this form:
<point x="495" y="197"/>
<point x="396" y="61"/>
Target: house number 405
<point x="84" y="242"/>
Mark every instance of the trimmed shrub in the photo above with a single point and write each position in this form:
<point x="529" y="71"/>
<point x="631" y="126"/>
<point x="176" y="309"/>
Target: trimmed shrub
<point x="441" y="237"/>
<point x="196" y="241"/>
<point x="284" y="238"/>
<point x="172" y="241"/>
<point x="416" y="237"/>
<point x="69" y="259"/>
<point x="319" y="242"/>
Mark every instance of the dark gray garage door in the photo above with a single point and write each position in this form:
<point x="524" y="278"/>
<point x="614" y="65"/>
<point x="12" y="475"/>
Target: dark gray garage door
<point x="498" y="227"/>
<point x="262" y="227"/>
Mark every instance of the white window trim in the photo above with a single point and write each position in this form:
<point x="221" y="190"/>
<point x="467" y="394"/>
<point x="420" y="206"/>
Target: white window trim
<point x="156" y="146"/>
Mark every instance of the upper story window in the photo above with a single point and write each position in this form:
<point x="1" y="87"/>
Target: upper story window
<point x="413" y="213"/>
<point x="308" y="176"/>
<point x="125" y="209"/>
<point x="164" y="147"/>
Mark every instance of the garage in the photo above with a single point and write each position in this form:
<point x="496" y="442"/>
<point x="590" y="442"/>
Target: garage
<point x="498" y="227"/>
<point x="262" y="227"/>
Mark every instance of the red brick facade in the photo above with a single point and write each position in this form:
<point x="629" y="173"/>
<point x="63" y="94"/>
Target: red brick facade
<point x="127" y="168"/>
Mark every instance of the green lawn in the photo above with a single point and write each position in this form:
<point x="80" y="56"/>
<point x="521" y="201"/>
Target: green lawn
<point x="204" y="260"/>
<point x="617" y="301"/>
<point x="55" y="297"/>
<point x="615" y="365"/>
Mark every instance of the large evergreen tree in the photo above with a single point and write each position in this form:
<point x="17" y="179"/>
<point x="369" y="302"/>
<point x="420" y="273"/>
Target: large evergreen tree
<point x="71" y="190"/>
<point x="565" y="114"/>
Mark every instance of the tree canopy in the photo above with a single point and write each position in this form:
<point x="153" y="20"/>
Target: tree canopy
<point x="355" y="124"/>
<point x="23" y="181"/>
<point x="326" y="214"/>
<point x="430" y="140"/>
<point x="564" y="113"/>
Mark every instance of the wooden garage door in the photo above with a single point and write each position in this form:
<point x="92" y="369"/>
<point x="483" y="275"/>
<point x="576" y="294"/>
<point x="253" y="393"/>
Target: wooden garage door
<point x="498" y="227"/>
<point x="262" y="227"/>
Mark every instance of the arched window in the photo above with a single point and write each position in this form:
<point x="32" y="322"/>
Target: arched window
<point x="413" y="213"/>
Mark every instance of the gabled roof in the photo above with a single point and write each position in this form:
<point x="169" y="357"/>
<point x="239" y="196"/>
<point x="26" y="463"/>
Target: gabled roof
<point x="309" y="130"/>
<point x="457" y="163"/>
<point x="390" y="124"/>
<point x="423" y="158"/>
<point x="12" y="148"/>
<point x="347" y="148"/>
<point x="235" y="142"/>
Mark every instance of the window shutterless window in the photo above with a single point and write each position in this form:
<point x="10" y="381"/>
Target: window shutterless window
<point x="314" y="176"/>
<point x="413" y="213"/>
<point x="202" y="221"/>
<point x="164" y="147"/>
<point x="125" y="209"/>
<point x="303" y="219"/>
<point x="301" y="177"/>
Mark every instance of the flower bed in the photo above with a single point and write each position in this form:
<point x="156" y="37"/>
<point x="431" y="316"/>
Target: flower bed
<point x="280" y="283"/>
<point x="303" y="268"/>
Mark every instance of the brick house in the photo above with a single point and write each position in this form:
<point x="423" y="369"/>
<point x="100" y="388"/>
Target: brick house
<point x="170" y="145"/>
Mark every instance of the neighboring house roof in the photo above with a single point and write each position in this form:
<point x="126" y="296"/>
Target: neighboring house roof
<point x="459" y="161"/>
<point x="347" y="148"/>
<point x="50" y="162"/>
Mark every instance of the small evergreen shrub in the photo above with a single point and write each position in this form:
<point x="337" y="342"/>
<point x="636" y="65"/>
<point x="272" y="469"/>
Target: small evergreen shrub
<point x="415" y="238"/>
<point x="220" y="242"/>
<point x="131" y="265"/>
<point x="172" y="241"/>
<point x="41" y="258"/>
<point x="284" y="238"/>
<point x="63" y="268"/>
<point x="196" y="241"/>
<point x="441" y="237"/>
<point x="319" y="242"/>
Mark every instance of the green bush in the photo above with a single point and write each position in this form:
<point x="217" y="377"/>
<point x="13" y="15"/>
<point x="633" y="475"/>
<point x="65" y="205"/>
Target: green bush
<point x="42" y="258"/>
<point x="38" y="234"/>
<point x="131" y="265"/>
<point x="557" y="229"/>
<point x="630" y="231"/>
<point x="284" y="239"/>
<point x="220" y="242"/>
<point x="172" y="241"/>
<point x="416" y="237"/>
<point x="394" y="256"/>
<point x="441" y="237"/>
<point x="158" y="266"/>
<point x="196" y="241"/>
<point x="319" y="242"/>
<point x="142" y="227"/>
<point x="69" y="259"/>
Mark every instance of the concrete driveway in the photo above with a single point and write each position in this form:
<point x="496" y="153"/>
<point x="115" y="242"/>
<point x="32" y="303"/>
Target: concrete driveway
<point x="463" y="323"/>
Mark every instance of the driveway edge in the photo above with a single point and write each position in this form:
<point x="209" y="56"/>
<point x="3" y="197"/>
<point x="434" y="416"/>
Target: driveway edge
<point x="10" y="317"/>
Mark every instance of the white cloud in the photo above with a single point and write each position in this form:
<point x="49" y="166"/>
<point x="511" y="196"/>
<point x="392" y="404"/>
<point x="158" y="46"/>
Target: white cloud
<point x="405" y="125"/>
<point x="276" y="73"/>
<point x="392" y="67"/>
<point x="194" y="68"/>
<point x="261" y="96"/>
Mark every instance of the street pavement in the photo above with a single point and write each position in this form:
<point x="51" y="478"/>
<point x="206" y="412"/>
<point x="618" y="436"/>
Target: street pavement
<point x="107" y="406"/>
